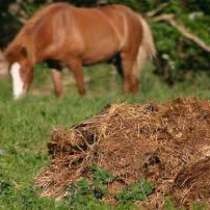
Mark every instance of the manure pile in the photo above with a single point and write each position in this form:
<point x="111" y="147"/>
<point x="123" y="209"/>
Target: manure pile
<point x="167" y="144"/>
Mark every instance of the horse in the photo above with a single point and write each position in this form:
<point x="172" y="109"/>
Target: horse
<point x="63" y="34"/>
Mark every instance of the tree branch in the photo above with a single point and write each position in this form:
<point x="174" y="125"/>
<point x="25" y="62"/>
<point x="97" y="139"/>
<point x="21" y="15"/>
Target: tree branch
<point x="170" y="18"/>
<point x="157" y="10"/>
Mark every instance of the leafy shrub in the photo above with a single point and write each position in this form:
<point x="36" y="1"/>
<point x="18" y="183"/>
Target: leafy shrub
<point x="100" y="180"/>
<point x="179" y="58"/>
<point x="88" y="191"/>
<point x="94" y="189"/>
<point x="137" y="191"/>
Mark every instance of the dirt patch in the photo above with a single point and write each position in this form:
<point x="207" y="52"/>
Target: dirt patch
<point x="168" y="144"/>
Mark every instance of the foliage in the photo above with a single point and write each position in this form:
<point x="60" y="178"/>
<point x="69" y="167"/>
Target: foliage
<point x="179" y="58"/>
<point x="79" y="193"/>
<point x="83" y="190"/>
<point x="81" y="196"/>
<point x="95" y="189"/>
<point x="101" y="179"/>
<point x="136" y="191"/>
<point x="100" y="176"/>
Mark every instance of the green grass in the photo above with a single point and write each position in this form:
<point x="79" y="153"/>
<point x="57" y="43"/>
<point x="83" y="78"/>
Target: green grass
<point x="25" y="126"/>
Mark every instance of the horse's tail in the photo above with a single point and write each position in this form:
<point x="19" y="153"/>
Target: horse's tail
<point x="147" y="48"/>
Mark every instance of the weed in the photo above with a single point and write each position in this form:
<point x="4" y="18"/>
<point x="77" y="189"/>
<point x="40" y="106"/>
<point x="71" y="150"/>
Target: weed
<point x="136" y="191"/>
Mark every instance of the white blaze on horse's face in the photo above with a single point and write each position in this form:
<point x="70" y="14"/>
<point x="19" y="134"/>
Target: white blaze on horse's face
<point x="17" y="82"/>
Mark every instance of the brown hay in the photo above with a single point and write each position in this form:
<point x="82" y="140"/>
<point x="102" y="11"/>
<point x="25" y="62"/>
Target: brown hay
<point x="168" y="144"/>
<point x="193" y="184"/>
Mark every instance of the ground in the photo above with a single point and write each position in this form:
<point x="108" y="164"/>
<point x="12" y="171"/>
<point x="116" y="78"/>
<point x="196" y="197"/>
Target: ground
<point x="25" y="125"/>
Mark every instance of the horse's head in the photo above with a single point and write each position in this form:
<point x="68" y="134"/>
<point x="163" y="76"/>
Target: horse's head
<point x="22" y="75"/>
<point x="21" y="71"/>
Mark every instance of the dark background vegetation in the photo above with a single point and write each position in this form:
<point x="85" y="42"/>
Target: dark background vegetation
<point x="178" y="58"/>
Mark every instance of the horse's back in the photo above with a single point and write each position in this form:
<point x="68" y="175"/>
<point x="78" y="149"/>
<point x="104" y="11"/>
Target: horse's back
<point x="91" y="33"/>
<point x="97" y="33"/>
<point x="126" y="19"/>
<point x="105" y="30"/>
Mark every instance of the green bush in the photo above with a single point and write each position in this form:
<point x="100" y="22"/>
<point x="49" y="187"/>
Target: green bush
<point x="137" y="191"/>
<point x="179" y="58"/>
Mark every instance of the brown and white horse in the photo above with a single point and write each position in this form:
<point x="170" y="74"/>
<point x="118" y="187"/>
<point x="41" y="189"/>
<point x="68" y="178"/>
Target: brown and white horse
<point x="80" y="36"/>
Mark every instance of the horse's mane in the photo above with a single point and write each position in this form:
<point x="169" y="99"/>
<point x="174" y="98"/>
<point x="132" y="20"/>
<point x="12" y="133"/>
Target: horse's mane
<point x="20" y="41"/>
<point x="43" y="12"/>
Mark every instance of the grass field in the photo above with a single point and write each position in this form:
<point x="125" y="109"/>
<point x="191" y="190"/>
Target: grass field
<point x="25" y="126"/>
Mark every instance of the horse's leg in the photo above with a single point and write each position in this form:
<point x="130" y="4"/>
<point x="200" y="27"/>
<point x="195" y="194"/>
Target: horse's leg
<point x="56" y="69"/>
<point x="75" y="65"/>
<point x="116" y="61"/>
<point x="130" y="83"/>
<point x="57" y="82"/>
<point x="135" y="78"/>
